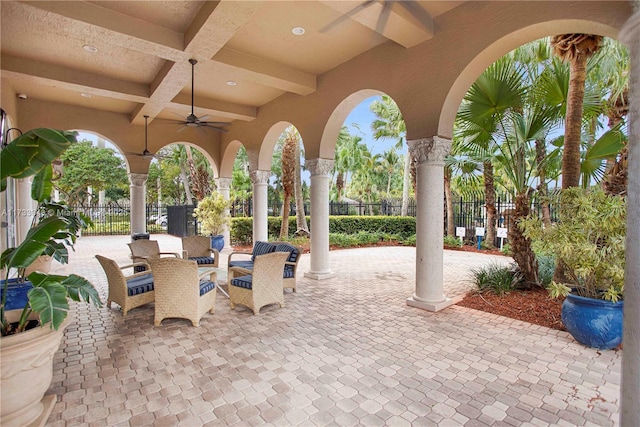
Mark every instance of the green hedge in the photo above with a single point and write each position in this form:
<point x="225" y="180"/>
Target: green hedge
<point x="401" y="226"/>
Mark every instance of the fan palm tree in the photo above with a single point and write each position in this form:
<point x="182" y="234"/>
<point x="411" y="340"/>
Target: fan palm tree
<point x="496" y="123"/>
<point x="575" y="49"/>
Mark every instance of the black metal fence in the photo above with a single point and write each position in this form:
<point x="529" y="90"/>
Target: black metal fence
<point x="469" y="212"/>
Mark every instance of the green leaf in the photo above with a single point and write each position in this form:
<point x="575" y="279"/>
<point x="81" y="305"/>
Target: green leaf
<point x="29" y="153"/>
<point x="48" y="298"/>
<point x="42" y="185"/>
<point x="608" y="145"/>
<point x="80" y="289"/>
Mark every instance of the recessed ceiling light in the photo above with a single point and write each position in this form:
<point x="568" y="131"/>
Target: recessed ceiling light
<point x="231" y="83"/>
<point x="298" y="31"/>
<point x="85" y="95"/>
<point x="90" y="48"/>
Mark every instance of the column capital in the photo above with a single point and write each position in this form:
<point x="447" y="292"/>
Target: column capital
<point x="259" y="176"/>
<point x="138" y="179"/>
<point x="319" y="166"/>
<point x="433" y="149"/>
<point x="223" y="183"/>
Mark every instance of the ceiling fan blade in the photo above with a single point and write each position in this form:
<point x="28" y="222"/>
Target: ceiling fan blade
<point x="346" y="16"/>
<point x="183" y="128"/>
<point x="384" y="17"/>
<point x="204" y="117"/>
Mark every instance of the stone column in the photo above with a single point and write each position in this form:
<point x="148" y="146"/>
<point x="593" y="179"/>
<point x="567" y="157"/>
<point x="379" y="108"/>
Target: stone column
<point x="630" y="386"/>
<point x="223" y="185"/>
<point x="429" y="154"/>
<point x="138" y="192"/>
<point x="25" y="208"/>
<point x="259" y="179"/>
<point x="320" y="172"/>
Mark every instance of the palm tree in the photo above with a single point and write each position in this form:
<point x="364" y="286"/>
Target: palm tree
<point x="288" y="176"/>
<point x="496" y="122"/>
<point x="349" y="156"/>
<point x="390" y="124"/>
<point x="576" y="49"/>
<point x="301" y="218"/>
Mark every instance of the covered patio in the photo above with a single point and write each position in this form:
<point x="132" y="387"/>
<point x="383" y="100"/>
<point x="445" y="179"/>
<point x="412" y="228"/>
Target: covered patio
<point x="345" y="351"/>
<point x="102" y="67"/>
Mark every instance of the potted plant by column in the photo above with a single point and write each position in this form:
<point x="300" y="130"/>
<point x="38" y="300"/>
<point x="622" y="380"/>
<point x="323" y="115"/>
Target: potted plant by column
<point x="588" y="241"/>
<point x="31" y="333"/>
<point x="210" y="213"/>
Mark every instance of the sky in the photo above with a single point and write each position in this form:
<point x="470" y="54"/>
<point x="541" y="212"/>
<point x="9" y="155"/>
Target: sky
<point x="363" y="117"/>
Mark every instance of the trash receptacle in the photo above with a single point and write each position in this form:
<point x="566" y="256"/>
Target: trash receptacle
<point x="139" y="236"/>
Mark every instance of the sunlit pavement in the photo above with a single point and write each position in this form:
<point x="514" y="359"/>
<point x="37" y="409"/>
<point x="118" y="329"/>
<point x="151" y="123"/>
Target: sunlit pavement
<point x="344" y="351"/>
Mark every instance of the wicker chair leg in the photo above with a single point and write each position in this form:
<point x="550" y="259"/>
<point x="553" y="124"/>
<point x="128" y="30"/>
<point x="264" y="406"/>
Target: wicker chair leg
<point x="212" y="310"/>
<point x="233" y="306"/>
<point x="256" y="312"/>
<point x="109" y="303"/>
<point x="194" y="323"/>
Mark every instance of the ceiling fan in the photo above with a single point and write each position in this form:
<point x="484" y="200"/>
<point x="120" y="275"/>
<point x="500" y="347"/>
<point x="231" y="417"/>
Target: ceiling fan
<point x="145" y="152"/>
<point x="194" y="121"/>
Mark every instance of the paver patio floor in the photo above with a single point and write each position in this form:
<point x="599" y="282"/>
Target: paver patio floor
<point x="344" y="351"/>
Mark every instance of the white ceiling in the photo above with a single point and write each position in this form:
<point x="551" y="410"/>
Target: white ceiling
<point x="141" y="64"/>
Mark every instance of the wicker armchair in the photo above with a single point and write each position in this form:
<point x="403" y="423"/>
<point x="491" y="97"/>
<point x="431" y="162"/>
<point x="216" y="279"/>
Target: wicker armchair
<point x="180" y="290"/>
<point x="143" y="250"/>
<point x="127" y="291"/>
<point x="198" y="249"/>
<point x="263" y="286"/>
<point x="242" y="267"/>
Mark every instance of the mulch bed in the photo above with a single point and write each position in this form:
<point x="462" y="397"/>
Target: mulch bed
<point x="533" y="306"/>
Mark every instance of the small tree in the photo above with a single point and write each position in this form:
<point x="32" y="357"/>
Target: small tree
<point x="211" y="213"/>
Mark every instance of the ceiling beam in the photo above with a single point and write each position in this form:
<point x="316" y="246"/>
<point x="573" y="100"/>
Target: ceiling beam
<point x="266" y="73"/>
<point x="214" y="25"/>
<point x="72" y="79"/>
<point x="405" y="23"/>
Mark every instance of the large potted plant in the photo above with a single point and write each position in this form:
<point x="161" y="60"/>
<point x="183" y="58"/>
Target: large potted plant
<point x="588" y="241"/>
<point x="212" y="217"/>
<point x="31" y="333"/>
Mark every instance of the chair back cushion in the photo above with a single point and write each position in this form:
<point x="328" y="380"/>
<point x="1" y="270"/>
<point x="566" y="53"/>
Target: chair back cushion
<point x="206" y="286"/>
<point x="293" y="251"/>
<point x="261" y="248"/>
<point x="139" y="285"/>
<point x="242" y="282"/>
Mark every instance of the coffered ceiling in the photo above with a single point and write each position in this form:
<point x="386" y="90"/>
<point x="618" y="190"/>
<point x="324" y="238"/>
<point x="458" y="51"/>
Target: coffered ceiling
<point x="140" y="63"/>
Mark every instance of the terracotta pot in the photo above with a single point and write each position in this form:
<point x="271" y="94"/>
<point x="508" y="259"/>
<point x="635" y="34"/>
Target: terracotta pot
<point x="26" y="371"/>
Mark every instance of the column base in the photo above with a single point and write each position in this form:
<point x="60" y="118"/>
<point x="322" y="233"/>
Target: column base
<point x="320" y="276"/>
<point x="430" y="306"/>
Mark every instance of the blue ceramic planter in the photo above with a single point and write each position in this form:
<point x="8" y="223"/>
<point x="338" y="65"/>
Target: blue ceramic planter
<point x="593" y="322"/>
<point x="17" y="293"/>
<point x="217" y="242"/>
